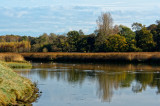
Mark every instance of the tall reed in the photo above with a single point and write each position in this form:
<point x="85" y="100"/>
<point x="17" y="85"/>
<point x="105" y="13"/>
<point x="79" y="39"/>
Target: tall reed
<point x="95" y="57"/>
<point x="11" y="57"/>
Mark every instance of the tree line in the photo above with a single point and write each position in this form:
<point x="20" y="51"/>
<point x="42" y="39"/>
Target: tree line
<point x="106" y="38"/>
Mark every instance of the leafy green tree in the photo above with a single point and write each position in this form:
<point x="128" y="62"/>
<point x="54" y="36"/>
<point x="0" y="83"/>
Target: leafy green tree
<point x="81" y="32"/>
<point x="43" y="39"/>
<point x="145" y="40"/>
<point x="52" y="38"/>
<point x="40" y="42"/>
<point x="91" y="42"/>
<point x="130" y="37"/>
<point x="35" y="48"/>
<point x="116" y="43"/>
<point x="61" y="42"/>
<point x="155" y="30"/>
<point x="73" y="38"/>
<point x="126" y="32"/>
<point x="100" y="43"/>
<point x="137" y="26"/>
<point x="82" y="44"/>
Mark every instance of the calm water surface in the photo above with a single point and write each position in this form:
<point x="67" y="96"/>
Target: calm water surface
<point x="95" y="84"/>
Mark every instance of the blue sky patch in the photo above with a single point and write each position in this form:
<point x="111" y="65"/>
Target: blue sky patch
<point x="34" y="17"/>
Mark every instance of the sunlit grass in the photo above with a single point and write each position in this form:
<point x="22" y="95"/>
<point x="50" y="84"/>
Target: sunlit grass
<point x="14" y="60"/>
<point x="19" y="65"/>
<point x="14" y="88"/>
<point x="11" y="57"/>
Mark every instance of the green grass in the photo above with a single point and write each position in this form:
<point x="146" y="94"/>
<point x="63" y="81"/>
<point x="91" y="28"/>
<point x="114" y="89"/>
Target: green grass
<point x="18" y="65"/>
<point x="15" y="89"/>
<point x="14" y="60"/>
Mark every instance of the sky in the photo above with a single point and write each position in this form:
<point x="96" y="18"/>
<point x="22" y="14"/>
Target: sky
<point x="35" y="17"/>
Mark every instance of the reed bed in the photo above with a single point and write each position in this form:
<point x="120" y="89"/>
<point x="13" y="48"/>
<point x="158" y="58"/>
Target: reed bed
<point x="95" y="57"/>
<point x="14" y="60"/>
<point x="11" y="57"/>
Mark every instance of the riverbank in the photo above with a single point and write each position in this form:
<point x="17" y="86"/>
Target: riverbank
<point x="136" y="57"/>
<point x="15" y="89"/>
<point x="14" y="60"/>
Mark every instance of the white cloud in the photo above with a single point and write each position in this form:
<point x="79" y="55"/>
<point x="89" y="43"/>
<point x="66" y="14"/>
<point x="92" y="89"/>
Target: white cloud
<point x="14" y="13"/>
<point x="21" y="13"/>
<point x="62" y="16"/>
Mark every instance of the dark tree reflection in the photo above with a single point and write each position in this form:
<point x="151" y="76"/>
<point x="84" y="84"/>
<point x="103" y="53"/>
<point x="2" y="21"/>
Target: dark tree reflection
<point x="109" y="77"/>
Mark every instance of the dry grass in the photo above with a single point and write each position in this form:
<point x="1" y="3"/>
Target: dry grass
<point x="95" y="57"/>
<point x="14" y="60"/>
<point x="11" y="57"/>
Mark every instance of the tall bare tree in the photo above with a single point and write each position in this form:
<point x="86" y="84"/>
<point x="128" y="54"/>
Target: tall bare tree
<point x="105" y="28"/>
<point x="105" y="24"/>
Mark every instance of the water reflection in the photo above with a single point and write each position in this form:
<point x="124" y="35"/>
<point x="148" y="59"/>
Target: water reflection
<point x="108" y="77"/>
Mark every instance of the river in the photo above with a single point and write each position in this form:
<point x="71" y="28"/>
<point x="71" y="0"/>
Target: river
<point x="68" y="84"/>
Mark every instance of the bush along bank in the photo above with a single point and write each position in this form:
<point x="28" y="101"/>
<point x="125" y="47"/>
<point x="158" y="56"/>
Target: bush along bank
<point x="14" y="89"/>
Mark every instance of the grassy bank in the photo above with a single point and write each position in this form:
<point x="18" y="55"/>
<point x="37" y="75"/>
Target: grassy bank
<point x="15" y="89"/>
<point x="14" y="60"/>
<point x="19" y="65"/>
<point x="95" y="57"/>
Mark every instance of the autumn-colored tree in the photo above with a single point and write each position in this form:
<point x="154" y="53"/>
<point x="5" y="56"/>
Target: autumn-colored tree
<point x="116" y="43"/>
<point x="23" y="46"/>
<point x="105" y="28"/>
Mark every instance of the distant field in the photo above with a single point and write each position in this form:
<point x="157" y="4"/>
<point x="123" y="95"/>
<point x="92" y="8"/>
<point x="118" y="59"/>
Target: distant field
<point x="95" y="57"/>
